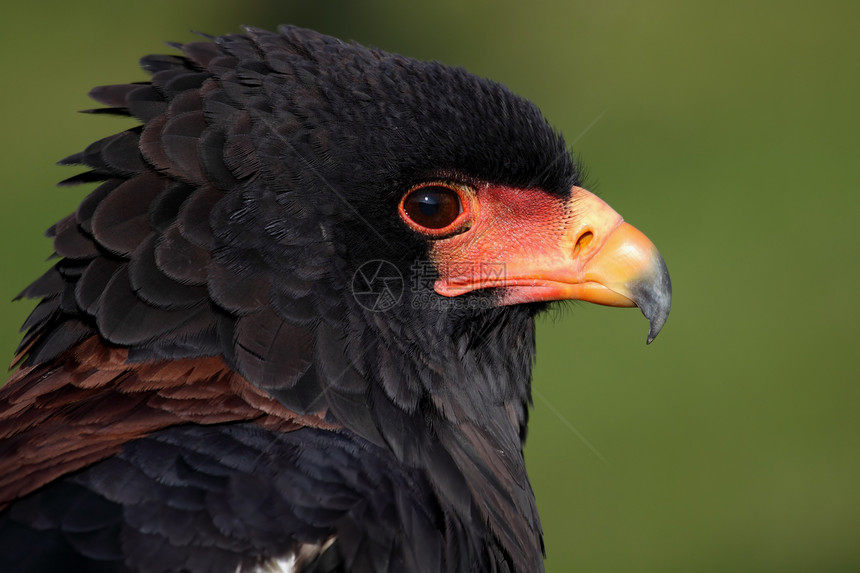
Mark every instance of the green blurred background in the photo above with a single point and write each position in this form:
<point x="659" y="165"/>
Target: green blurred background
<point x="727" y="131"/>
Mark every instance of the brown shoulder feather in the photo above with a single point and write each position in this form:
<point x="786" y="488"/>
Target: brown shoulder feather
<point x="59" y="417"/>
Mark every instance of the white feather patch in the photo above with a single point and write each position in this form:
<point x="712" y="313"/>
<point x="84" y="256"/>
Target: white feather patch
<point x="291" y="563"/>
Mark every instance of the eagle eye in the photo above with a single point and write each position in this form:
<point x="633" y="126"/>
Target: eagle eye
<point x="435" y="209"/>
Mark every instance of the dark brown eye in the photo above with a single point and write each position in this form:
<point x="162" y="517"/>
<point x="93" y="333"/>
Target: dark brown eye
<point x="432" y="207"/>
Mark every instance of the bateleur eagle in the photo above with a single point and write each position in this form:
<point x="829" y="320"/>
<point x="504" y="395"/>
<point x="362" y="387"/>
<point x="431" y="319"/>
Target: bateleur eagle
<point x="292" y="328"/>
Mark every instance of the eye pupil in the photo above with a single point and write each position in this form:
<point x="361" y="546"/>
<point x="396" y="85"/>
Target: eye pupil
<point x="433" y="207"/>
<point x="429" y="205"/>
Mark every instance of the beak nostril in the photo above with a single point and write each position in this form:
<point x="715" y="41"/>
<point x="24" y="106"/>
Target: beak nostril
<point x="582" y="242"/>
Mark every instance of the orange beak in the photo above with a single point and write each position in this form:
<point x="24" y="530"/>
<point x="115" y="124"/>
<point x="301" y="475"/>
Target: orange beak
<point x="541" y="248"/>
